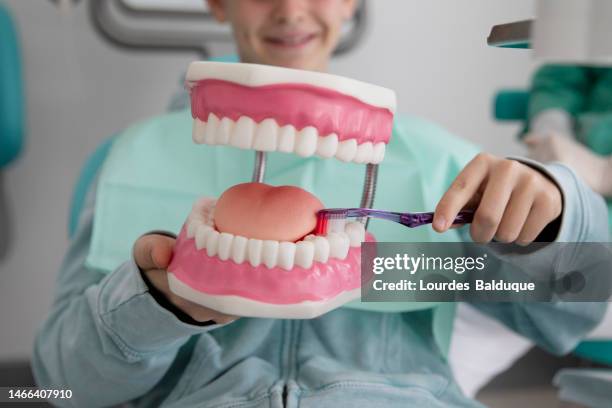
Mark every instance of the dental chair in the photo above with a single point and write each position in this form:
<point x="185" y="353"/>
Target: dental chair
<point x="11" y="91"/>
<point x="511" y="105"/>
<point x="11" y="113"/>
<point x="12" y="127"/>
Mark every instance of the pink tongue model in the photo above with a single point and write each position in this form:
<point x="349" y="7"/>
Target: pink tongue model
<point x="260" y="211"/>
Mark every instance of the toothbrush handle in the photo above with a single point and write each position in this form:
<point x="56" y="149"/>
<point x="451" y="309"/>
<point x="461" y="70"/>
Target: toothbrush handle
<point x="413" y="220"/>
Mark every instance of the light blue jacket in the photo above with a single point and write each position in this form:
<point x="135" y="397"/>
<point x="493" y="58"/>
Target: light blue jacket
<point x="110" y="342"/>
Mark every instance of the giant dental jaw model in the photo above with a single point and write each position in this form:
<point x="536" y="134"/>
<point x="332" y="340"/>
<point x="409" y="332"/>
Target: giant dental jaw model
<point x="236" y="263"/>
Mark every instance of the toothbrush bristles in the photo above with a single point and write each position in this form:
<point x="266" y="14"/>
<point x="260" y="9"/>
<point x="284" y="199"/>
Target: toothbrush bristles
<point x="323" y="219"/>
<point x="321" y="227"/>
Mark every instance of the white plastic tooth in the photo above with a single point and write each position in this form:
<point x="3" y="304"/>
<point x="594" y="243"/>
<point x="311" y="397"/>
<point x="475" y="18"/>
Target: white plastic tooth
<point x="224" y="132"/>
<point x="244" y="130"/>
<point x="211" y="129"/>
<point x="327" y="146"/>
<point x="304" y="254"/>
<point x="239" y="249"/>
<point x="207" y="218"/>
<point x="364" y="153"/>
<point x="321" y="249"/>
<point x="212" y="243"/>
<point x="254" y="250"/>
<point x="199" y="129"/>
<point x="266" y="136"/>
<point x="369" y="153"/>
<point x="286" y="255"/>
<point x="201" y="209"/>
<point x="336" y="225"/>
<point x="338" y="244"/>
<point x="203" y="204"/>
<point x="306" y="143"/>
<point x="355" y="232"/>
<point x="201" y="236"/>
<point x="347" y="149"/>
<point x="379" y="153"/>
<point x="225" y="246"/>
<point x="193" y="222"/>
<point x="210" y="219"/>
<point x="309" y="237"/>
<point x="192" y="227"/>
<point x="286" y="139"/>
<point x="269" y="253"/>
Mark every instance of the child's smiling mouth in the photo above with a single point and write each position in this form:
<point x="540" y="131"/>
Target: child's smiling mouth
<point x="291" y="41"/>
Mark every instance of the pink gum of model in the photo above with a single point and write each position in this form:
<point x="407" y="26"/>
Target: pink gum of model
<point x="327" y="110"/>
<point x="211" y="275"/>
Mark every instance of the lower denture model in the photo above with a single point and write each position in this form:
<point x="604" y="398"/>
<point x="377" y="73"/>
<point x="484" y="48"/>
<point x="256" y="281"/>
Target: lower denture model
<point x="230" y="261"/>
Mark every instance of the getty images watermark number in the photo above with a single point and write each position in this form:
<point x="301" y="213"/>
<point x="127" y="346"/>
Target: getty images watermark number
<point x="32" y="394"/>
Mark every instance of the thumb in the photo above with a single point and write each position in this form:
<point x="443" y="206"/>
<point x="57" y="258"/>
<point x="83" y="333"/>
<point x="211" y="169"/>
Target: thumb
<point x="153" y="252"/>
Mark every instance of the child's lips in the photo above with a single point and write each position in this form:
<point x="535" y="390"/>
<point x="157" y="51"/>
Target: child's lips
<point x="260" y="211"/>
<point x="291" y="41"/>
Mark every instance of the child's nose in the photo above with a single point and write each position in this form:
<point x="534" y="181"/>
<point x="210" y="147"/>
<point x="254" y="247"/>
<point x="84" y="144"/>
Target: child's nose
<point x="290" y="11"/>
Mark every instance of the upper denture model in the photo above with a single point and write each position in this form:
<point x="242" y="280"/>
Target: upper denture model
<point x="232" y="255"/>
<point x="268" y="108"/>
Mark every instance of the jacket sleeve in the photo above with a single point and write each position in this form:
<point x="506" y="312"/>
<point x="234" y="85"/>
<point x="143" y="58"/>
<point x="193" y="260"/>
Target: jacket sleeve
<point x="105" y="338"/>
<point x="559" y="326"/>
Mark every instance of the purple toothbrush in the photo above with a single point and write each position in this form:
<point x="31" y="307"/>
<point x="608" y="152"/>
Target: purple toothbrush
<point x="410" y="220"/>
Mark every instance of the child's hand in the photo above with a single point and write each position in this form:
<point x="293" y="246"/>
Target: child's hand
<point x="152" y="254"/>
<point x="513" y="202"/>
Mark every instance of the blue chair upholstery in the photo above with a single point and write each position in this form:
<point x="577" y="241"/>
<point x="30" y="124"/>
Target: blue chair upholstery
<point x="11" y="91"/>
<point x="599" y="351"/>
<point x="511" y="105"/>
<point x="11" y="115"/>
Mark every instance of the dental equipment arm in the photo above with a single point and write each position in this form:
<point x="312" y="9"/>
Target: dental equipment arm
<point x="573" y="32"/>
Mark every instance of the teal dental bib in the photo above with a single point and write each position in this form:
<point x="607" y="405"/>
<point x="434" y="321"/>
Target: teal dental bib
<point x="154" y="173"/>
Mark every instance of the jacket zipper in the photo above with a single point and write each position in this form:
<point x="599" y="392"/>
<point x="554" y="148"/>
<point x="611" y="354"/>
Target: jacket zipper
<point x="289" y="355"/>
